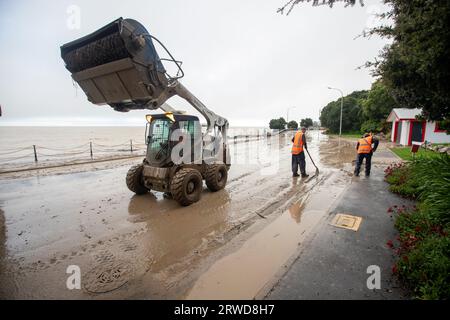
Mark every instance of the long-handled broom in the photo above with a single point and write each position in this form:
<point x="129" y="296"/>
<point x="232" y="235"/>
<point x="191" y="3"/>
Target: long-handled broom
<point x="317" y="169"/>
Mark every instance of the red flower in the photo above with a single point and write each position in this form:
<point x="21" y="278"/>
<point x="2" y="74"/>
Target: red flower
<point x="390" y="244"/>
<point x="394" y="269"/>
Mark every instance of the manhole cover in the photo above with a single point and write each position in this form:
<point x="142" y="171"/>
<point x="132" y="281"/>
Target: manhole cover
<point x="346" y="221"/>
<point x="107" y="277"/>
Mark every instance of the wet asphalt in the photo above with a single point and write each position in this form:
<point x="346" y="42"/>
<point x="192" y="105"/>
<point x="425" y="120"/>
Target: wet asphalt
<point x="334" y="261"/>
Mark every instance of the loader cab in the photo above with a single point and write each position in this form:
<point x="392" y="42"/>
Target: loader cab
<point x="165" y="131"/>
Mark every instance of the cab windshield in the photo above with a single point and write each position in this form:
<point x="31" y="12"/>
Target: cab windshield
<point x="158" y="140"/>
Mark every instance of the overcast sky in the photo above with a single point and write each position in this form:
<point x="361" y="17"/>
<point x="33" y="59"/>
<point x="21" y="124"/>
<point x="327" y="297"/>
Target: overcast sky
<point x="242" y="59"/>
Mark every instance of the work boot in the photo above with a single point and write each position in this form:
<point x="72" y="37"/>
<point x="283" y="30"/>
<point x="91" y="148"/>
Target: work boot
<point x="304" y="175"/>
<point x="295" y="175"/>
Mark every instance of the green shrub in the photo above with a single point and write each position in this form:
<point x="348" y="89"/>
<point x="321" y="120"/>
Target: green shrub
<point x="370" y="126"/>
<point x="402" y="182"/>
<point x="433" y="177"/>
<point x="424" y="241"/>
<point x="425" y="179"/>
<point x="427" y="267"/>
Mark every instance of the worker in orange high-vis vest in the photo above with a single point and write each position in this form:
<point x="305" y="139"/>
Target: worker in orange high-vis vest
<point x="365" y="147"/>
<point x="298" y="154"/>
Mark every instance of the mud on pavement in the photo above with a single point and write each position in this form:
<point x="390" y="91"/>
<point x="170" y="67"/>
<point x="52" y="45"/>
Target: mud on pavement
<point x="228" y="245"/>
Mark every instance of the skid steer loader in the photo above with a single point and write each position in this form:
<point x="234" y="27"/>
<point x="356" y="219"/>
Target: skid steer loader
<point x="118" y="65"/>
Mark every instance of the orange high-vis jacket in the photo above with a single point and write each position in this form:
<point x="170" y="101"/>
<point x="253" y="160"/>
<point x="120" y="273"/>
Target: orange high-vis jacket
<point x="365" y="145"/>
<point x="297" y="147"/>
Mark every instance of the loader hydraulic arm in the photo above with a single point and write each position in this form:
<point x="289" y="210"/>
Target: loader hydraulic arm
<point x="168" y="108"/>
<point x="212" y="119"/>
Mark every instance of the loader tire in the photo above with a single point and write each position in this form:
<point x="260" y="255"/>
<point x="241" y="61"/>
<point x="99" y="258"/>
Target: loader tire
<point x="216" y="176"/>
<point x="134" y="180"/>
<point x="186" y="186"/>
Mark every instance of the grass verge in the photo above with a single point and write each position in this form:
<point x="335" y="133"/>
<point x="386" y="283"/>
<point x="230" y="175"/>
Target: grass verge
<point x="405" y="153"/>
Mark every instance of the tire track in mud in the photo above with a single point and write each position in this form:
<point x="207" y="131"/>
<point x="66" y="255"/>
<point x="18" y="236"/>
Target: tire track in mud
<point x="99" y="250"/>
<point x="106" y="265"/>
<point x="175" y="272"/>
<point x="222" y="277"/>
<point x="276" y="207"/>
<point x="105" y="260"/>
<point x="247" y="198"/>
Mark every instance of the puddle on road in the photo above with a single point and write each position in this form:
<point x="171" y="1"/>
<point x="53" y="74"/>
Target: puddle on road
<point x="244" y="273"/>
<point x="172" y="235"/>
<point x="336" y="153"/>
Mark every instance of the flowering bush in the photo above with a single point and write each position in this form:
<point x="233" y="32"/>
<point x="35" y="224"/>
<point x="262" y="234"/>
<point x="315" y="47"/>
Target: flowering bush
<point x="401" y="180"/>
<point x="393" y="167"/>
<point x="423" y="244"/>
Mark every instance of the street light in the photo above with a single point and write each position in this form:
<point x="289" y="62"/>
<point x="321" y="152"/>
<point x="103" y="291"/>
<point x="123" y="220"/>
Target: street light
<point x="342" y="106"/>
<point x="287" y="115"/>
<point x="320" y="113"/>
<point x="320" y="124"/>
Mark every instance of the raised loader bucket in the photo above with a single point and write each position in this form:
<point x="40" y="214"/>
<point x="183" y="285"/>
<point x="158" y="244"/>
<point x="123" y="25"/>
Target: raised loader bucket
<point x="118" y="65"/>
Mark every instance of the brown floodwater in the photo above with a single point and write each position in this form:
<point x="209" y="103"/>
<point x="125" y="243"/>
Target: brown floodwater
<point x="129" y="246"/>
<point x="246" y="271"/>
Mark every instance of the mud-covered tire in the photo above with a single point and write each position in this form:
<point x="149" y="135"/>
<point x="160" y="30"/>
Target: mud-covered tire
<point x="216" y="176"/>
<point x="134" y="180"/>
<point x="187" y="186"/>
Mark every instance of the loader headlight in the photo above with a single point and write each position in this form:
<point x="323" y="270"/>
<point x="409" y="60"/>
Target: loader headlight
<point x="148" y="117"/>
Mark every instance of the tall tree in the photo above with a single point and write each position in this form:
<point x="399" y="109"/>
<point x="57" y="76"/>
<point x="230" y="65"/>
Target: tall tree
<point x="379" y="102"/>
<point x="289" y="5"/>
<point x="278" y="124"/>
<point x="292" y="124"/>
<point x="307" y="122"/>
<point x="352" y="117"/>
<point x="415" y="67"/>
<point x="376" y="108"/>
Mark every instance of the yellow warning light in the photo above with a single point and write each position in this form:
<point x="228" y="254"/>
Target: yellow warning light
<point x="170" y="116"/>
<point x="148" y="117"/>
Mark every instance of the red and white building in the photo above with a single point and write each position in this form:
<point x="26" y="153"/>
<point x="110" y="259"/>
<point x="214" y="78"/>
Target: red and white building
<point x="406" y="129"/>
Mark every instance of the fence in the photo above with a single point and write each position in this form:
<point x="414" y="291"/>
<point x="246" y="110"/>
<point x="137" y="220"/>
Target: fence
<point x="38" y="154"/>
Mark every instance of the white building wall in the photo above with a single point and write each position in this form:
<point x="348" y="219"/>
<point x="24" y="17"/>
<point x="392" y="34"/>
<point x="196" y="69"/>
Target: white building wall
<point x="392" y="132"/>
<point x="435" y="137"/>
<point x="430" y="135"/>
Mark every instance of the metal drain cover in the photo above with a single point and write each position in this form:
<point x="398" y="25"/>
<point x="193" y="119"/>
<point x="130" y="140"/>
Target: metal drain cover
<point x="347" y="221"/>
<point x="107" y="277"/>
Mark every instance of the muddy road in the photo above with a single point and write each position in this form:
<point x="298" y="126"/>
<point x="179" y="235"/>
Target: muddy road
<point x="231" y="244"/>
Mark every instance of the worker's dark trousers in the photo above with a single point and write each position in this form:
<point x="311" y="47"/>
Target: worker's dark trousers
<point x="298" y="160"/>
<point x="359" y="160"/>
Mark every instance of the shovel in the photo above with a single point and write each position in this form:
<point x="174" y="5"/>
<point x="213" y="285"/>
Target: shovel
<point x="317" y="169"/>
